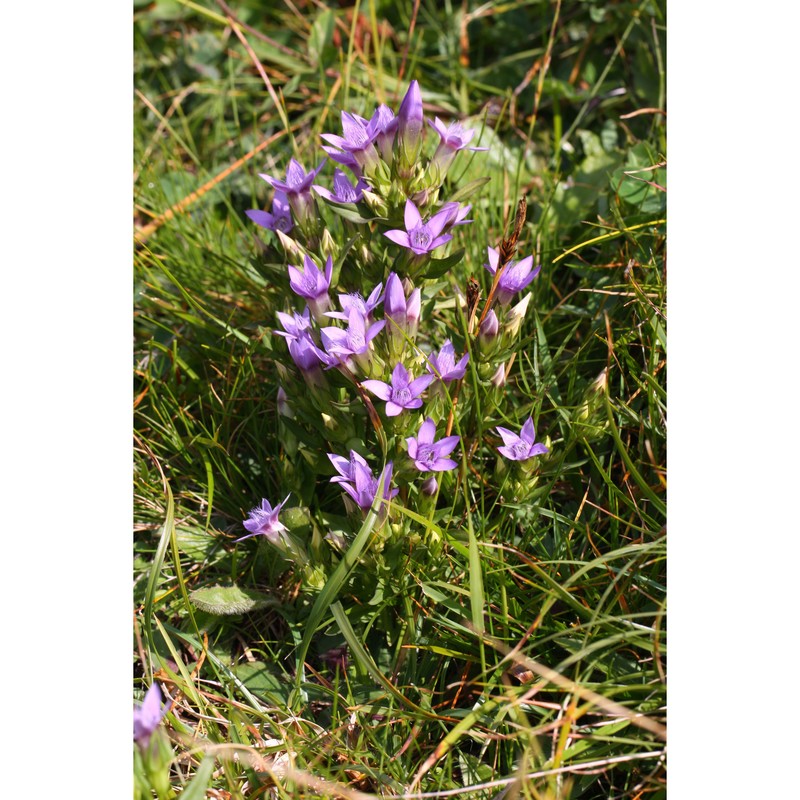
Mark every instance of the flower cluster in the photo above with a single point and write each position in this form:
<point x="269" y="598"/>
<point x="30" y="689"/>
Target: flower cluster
<point x="382" y="381"/>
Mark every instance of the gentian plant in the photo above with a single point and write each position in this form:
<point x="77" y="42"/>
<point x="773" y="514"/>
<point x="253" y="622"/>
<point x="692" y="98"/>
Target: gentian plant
<point x="387" y="392"/>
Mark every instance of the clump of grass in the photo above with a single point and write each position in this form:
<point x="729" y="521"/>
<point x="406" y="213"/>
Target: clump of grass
<point x="531" y="652"/>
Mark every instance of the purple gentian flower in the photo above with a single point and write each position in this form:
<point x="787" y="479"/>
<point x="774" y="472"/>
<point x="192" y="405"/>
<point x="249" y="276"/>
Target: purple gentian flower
<point x="451" y="140"/>
<point x="297" y="188"/>
<point x="313" y="285"/>
<point x="457" y="212"/>
<point x="343" y="190"/>
<point x="430" y="456"/>
<point x="404" y="313"/>
<point x="522" y="447"/>
<point x="148" y="715"/>
<point x="355" y="341"/>
<point x="444" y="365"/>
<point x="382" y="128"/>
<point x="355" y="300"/>
<point x="357" y="141"/>
<point x="346" y="468"/>
<point x="515" y="277"/>
<point x="263" y="521"/>
<point x="421" y="237"/>
<point x="363" y="486"/>
<point x="297" y="332"/>
<point x="409" y="130"/>
<point x="402" y="393"/>
<point x="279" y="220"/>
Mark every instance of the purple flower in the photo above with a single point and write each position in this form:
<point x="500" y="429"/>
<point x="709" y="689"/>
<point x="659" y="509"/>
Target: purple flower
<point x="409" y="130"/>
<point x="452" y="138"/>
<point x="444" y="365"/>
<point x="355" y="300"/>
<point x="515" y="277"/>
<point x="403" y="313"/>
<point x="263" y="521"/>
<point x="279" y="220"/>
<point x="297" y="188"/>
<point x="457" y="212"/>
<point x="148" y="715"/>
<point x="343" y="190"/>
<point x="313" y="285"/>
<point x="421" y="237"/>
<point x="430" y="456"/>
<point x="346" y="468"/>
<point x="355" y="341"/>
<point x="357" y="141"/>
<point x="522" y="447"/>
<point x="382" y="128"/>
<point x="362" y="485"/>
<point x="402" y="393"/>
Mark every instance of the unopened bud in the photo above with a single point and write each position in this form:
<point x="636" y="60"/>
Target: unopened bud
<point x="284" y="409"/>
<point x="489" y="328"/>
<point x="328" y="245"/>
<point x="429" y="486"/>
<point x="516" y="316"/>
<point x="499" y="377"/>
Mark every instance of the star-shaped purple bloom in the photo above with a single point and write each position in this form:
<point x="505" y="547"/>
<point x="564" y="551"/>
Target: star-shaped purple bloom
<point x="453" y="136"/>
<point x="297" y="180"/>
<point x="444" y="365"/>
<point x="354" y="341"/>
<point x="403" y="393"/>
<point x="522" y="447"/>
<point x="357" y="141"/>
<point x="355" y="300"/>
<point x="312" y="284"/>
<point x="279" y="220"/>
<point x="359" y="482"/>
<point x="148" y="715"/>
<point x="382" y="128"/>
<point x="309" y="281"/>
<point x="343" y="190"/>
<point x="515" y="277"/>
<point x="430" y="456"/>
<point x="263" y="521"/>
<point x="297" y="188"/>
<point x="421" y="237"/>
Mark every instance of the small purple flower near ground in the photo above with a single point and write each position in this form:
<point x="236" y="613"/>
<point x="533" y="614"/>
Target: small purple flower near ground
<point x="343" y="190"/>
<point x="444" y="366"/>
<point x="430" y="456"/>
<point x="359" y="482"/>
<point x="279" y="220"/>
<point x="263" y="521"/>
<point x="514" y="278"/>
<point x="402" y="393"/>
<point x="523" y="446"/>
<point x="422" y="237"/>
<point x="148" y="715"/>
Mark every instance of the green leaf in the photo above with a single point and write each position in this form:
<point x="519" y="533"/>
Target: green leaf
<point x="196" y="788"/>
<point x="466" y="191"/>
<point x="439" y="266"/>
<point x="321" y="33"/>
<point x="227" y="600"/>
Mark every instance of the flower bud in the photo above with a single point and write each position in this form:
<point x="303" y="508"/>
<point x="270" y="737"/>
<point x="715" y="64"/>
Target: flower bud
<point x="284" y="409"/>
<point x="515" y="318"/>
<point x="499" y="377"/>
<point x="429" y="486"/>
<point x="409" y="131"/>
<point x="488" y="331"/>
<point x="328" y="245"/>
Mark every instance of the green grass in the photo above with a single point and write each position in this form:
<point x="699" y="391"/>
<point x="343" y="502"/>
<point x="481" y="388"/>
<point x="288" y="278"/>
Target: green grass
<point x="536" y="642"/>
